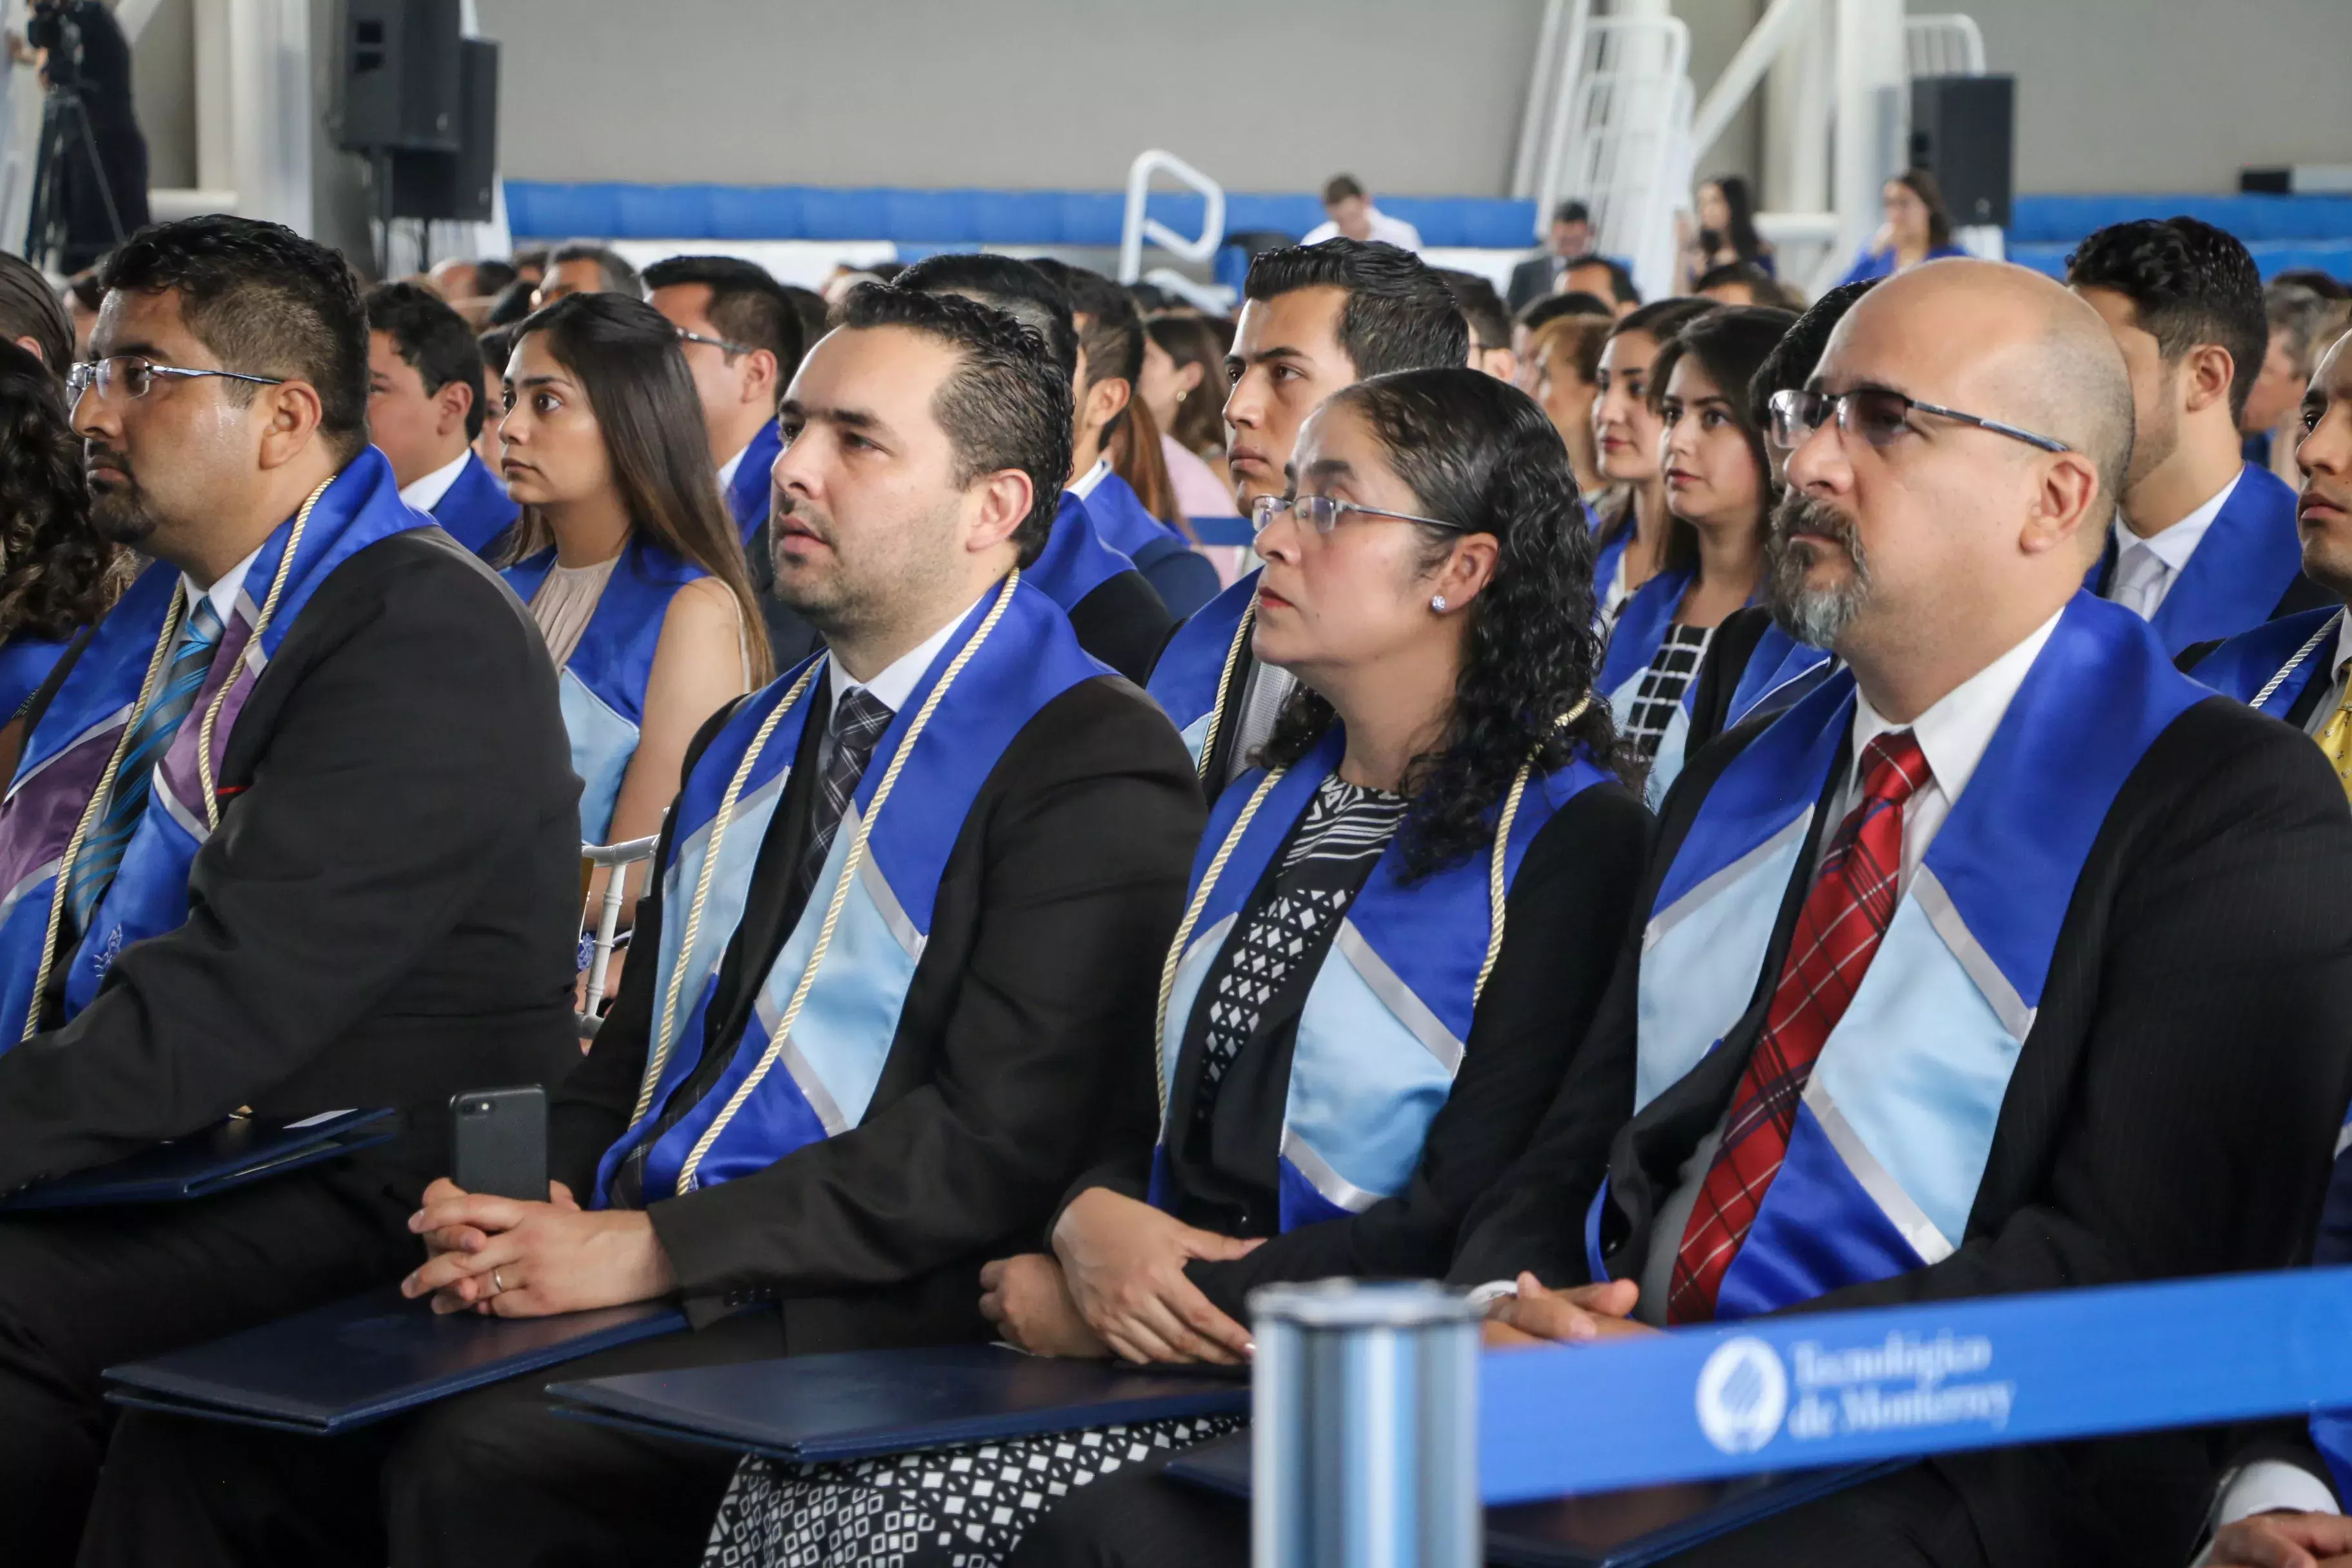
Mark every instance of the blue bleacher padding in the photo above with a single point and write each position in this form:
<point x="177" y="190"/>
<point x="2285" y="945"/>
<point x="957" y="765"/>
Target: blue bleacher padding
<point x="849" y="213"/>
<point x="1091" y="217"/>
<point x="657" y="210"/>
<point x="1016" y="217"/>
<point x="928" y="218"/>
<point x="544" y="210"/>
<point x="2051" y="220"/>
<point x="1293" y="216"/>
<point x="1484" y="224"/>
<point x="748" y="212"/>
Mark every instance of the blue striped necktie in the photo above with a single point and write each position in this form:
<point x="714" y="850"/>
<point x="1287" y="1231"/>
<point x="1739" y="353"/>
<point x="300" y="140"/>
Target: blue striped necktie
<point x="102" y="851"/>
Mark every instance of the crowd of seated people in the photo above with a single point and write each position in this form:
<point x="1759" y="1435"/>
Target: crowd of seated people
<point x="1595" y="850"/>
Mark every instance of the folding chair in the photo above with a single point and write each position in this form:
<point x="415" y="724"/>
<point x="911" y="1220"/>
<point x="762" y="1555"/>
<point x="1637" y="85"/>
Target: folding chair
<point x="600" y="919"/>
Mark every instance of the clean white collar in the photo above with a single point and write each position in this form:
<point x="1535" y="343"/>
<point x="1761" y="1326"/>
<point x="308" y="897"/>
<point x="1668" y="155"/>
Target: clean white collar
<point x="1956" y="728"/>
<point x="224" y="592"/>
<point x="425" y="493"/>
<point x="1084" y="485"/>
<point x="895" y="685"/>
<point x="727" y="470"/>
<point x="2176" y="545"/>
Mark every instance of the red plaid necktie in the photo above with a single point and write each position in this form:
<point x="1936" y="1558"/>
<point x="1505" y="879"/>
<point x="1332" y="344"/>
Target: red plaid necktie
<point x="1837" y="934"/>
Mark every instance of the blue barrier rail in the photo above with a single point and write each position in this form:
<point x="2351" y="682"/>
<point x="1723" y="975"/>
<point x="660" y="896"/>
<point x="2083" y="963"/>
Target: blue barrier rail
<point x="1839" y="1388"/>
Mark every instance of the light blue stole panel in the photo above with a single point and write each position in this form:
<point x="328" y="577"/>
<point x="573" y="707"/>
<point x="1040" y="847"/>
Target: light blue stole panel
<point x="1898" y="1115"/>
<point x="1184" y="682"/>
<point x="1780" y="669"/>
<point x="68" y="752"/>
<point x="1380" y="1036"/>
<point x="602" y="686"/>
<point x="2276" y="662"/>
<point x="825" y="1073"/>
<point x="1075" y="561"/>
<point x="751" y="491"/>
<point x="1634" y="642"/>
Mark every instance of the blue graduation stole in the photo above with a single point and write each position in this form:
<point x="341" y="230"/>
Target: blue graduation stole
<point x="751" y="491"/>
<point x="1075" y="561"/>
<point x="786" y="1087"/>
<point x="602" y="686"/>
<point x="475" y="510"/>
<point x="2331" y="1430"/>
<point x="1779" y="671"/>
<point x="25" y="662"/>
<point x="1121" y="521"/>
<point x="1898" y="1116"/>
<point x="1604" y="562"/>
<point x="2272" y="665"/>
<point x="70" y="749"/>
<point x="1633" y="644"/>
<point x="1380" y="1036"/>
<point x="2248" y="558"/>
<point x="1195" y="663"/>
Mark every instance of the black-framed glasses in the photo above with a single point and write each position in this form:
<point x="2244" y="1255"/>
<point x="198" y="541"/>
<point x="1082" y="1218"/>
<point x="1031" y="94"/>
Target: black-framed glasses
<point x="721" y="343"/>
<point x="1876" y="415"/>
<point x="1321" y="513"/>
<point x="129" y="375"/>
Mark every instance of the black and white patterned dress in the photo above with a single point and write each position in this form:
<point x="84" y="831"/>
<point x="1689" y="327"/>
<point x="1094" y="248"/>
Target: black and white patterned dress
<point x="1671" y="669"/>
<point x="969" y="1507"/>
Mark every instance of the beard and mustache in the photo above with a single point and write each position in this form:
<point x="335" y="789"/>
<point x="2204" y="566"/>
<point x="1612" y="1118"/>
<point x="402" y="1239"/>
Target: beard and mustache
<point x="1814" y="617"/>
<point x="118" y="508"/>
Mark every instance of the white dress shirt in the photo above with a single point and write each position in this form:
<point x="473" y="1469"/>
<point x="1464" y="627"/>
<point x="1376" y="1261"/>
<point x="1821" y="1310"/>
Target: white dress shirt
<point x="1085" y="484"/>
<point x="1386" y="229"/>
<point x="727" y="470"/>
<point x="896" y="684"/>
<point x="2146" y="569"/>
<point x="224" y="591"/>
<point x="424" y="494"/>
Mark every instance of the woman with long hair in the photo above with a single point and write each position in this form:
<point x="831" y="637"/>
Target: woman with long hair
<point x="1405" y="918"/>
<point x="1918" y="228"/>
<point x="625" y="552"/>
<point x="57" y="575"/>
<point x="1633" y="520"/>
<point x="1719" y="493"/>
<point x="1564" y="374"/>
<point x="1724" y="232"/>
<point x="1183" y="384"/>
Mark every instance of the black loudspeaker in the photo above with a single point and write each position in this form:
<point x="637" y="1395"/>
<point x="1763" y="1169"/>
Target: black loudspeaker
<point x="1963" y="131"/>
<point x="399" y="87"/>
<point x="457" y="186"/>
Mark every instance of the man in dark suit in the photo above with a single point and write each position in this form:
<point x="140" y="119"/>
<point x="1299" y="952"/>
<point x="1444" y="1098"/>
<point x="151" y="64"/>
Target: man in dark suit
<point x="742" y="339"/>
<point x="2008" y="958"/>
<point x="368" y="898"/>
<point x="426" y="407"/>
<point x="1570" y="236"/>
<point x="1030" y="852"/>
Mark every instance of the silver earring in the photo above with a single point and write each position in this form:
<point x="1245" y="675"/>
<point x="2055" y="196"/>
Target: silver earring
<point x="1437" y="603"/>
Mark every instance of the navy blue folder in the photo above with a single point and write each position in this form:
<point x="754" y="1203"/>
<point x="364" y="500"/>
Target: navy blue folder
<point x="817" y="1408"/>
<point x="357" y="1361"/>
<point x="241" y="1150"/>
<point x="1626" y="1529"/>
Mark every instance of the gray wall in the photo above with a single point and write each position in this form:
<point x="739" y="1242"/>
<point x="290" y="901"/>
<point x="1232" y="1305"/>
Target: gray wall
<point x="164" y="86"/>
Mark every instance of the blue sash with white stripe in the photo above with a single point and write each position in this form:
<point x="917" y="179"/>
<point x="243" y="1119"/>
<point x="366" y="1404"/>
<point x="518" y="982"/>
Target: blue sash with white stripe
<point x="1898" y="1115"/>
<point x="1380" y="1036"/>
<point x="1075" y="561"/>
<point x="1184" y="682"/>
<point x="818" y="1080"/>
<point x="2272" y="665"/>
<point x="603" y="688"/>
<point x="1780" y="671"/>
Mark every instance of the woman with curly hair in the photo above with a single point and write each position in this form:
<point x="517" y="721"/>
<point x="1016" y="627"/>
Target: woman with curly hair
<point x="1400" y="924"/>
<point x="57" y="575"/>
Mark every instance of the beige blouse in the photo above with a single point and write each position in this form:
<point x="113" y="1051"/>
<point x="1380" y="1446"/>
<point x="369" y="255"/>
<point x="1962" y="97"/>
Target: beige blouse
<point x="564" y="603"/>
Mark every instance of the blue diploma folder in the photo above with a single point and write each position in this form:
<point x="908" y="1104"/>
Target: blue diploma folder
<point x="238" y="1150"/>
<point x="1627" y="1529"/>
<point x="358" y="1361"/>
<point x="818" y="1408"/>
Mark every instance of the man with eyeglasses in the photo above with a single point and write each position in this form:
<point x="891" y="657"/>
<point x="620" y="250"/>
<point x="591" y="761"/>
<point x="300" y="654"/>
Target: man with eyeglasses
<point x="295" y="831"/>
<point x="1964" y="974"/>
<point x="742" y="340"/>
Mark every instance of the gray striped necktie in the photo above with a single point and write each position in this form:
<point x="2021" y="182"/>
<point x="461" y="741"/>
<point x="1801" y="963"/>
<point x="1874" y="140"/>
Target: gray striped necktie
<point x="858" y="720"/>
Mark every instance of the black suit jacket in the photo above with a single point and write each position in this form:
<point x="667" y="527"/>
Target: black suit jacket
<point x="2307" y="701"/>
<point x="1727" y="653"/>
<point x="2172" y="1111"/>
<point x="389" y="910"/>
<point x="1531" y="280"/>
<point x="1124" y="622"/>
<point x="1023" y="1054"/>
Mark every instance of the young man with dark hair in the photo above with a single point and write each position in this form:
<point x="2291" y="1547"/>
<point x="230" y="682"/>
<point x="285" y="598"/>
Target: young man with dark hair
<point x="1349" y="214"/>
<point x="32" y="316"/>
<point x="2203" y="544"/>
<point x="585" y="267"/>
<point x="366" y="895"/>
<point x="1111" y="363"/>
<point x="933" y="1108"/>
<point x="425" y="410"/>
<point x="1119" y="616"/>
<point x="1531" y="318"/>
<point x="1490" y="325"/>
<point x="1570" y="234"/>
<point x="1745" y="283"/>
<point x="1315" y="318"/>
<point x="1604" y="279"/>
<point x="742" y="340"/>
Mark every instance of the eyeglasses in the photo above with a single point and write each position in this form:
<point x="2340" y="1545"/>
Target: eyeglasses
<point x="1875" y="415"/>
<point x="686" y="336"/>
<point x="128" y="375"/>
<point x="1321" y="513"/>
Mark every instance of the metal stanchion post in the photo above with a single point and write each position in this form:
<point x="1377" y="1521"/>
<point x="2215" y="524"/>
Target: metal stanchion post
<point x="1366" y="1418"/>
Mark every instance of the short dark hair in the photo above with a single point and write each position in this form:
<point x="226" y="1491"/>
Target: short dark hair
<point x="266" y="301"/>
<point x="620" y="278"/>
<point x="1622" y="288"/>
<point x="1399" y="315"/>
<point x="1003" y="283"/>
<point x="1762" y="287"/>
<point x="511" y="303"/>
<point x="747" y="305"/>
<point x="1006" y="405"/>
<point x="491" y="276"/>
<point x="530" y="258"/>
<point x="1571" y="211"/>
<point x="1794" y="358"/>
<point x="2325" y="284"/>
<point x="433" y="339"/>
<point x="1341" y="188"/>
<point x="1551" y="307"/>
<point x="29" y="308"/>
<point x="1113" y="335"/>
<point x="498" y="348"/>
<point x="2189" y="283"/>
<point x="1481" y="307"/>
<point x="810" y="307"/>
<point x="1661" y="319"/>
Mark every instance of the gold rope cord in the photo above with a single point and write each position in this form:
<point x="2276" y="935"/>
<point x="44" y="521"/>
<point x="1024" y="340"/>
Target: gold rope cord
<point x="1225" y="684"/>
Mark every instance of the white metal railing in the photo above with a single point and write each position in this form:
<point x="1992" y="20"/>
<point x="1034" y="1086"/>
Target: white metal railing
<point x="1140" y="226"/>
<point x="1621" y="139"/>
<point x="1949" y="44"/>
<point x="602" y="937"/>
<point x="1559" y="55"/>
